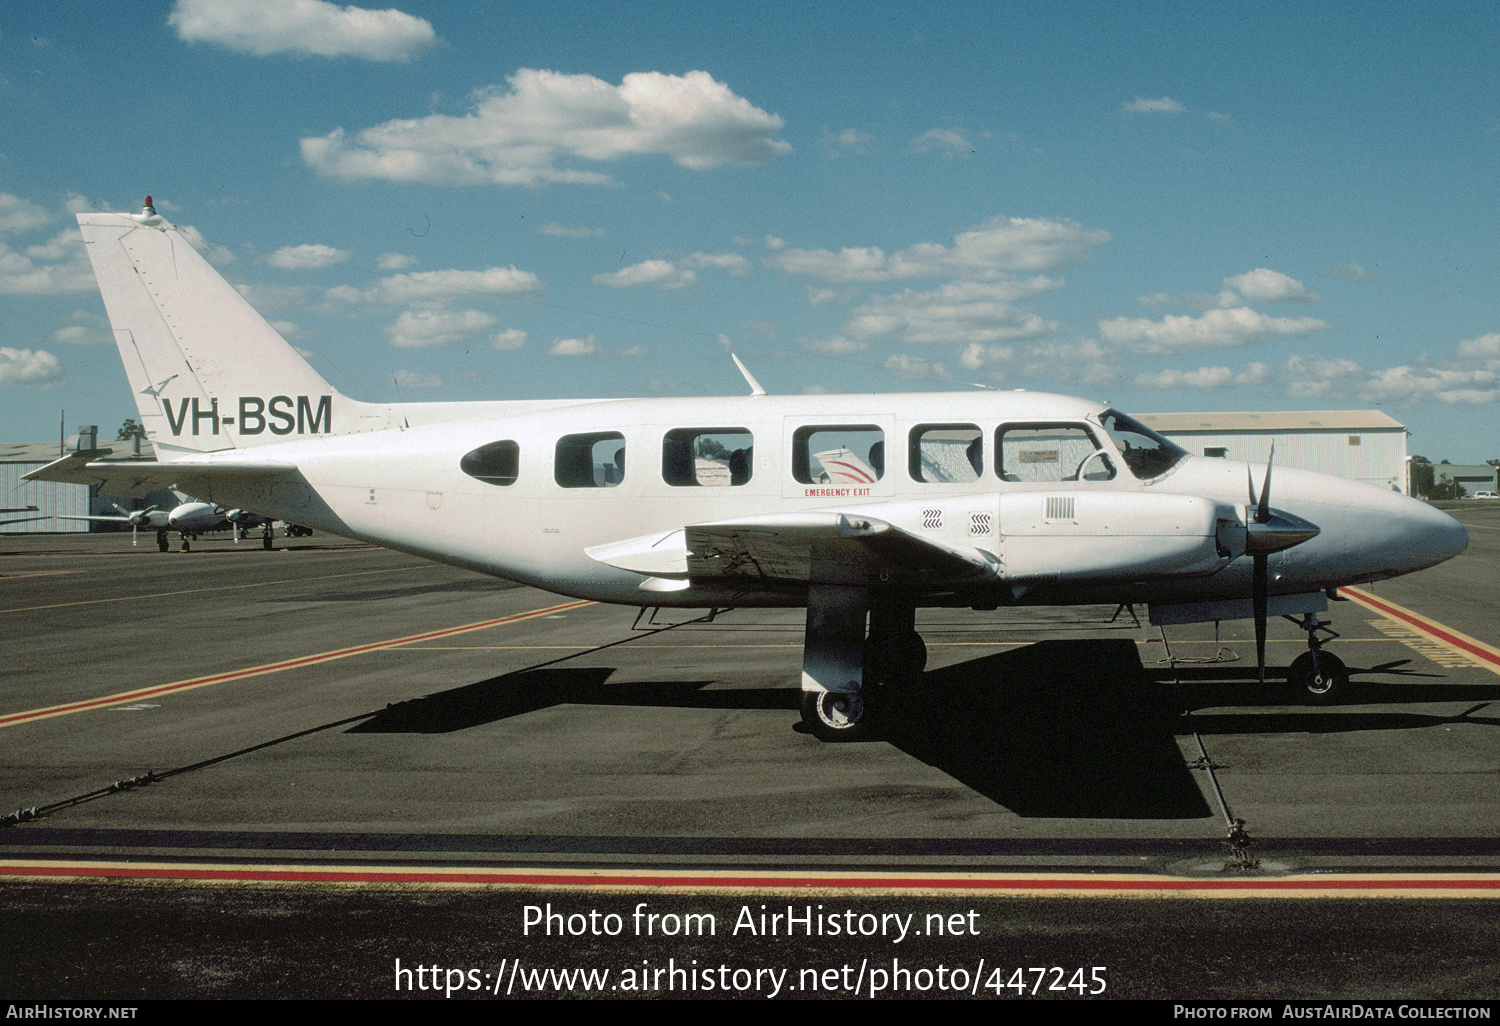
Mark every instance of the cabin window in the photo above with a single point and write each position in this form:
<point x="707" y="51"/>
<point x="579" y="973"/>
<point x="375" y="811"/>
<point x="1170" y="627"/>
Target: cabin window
<point x="498" y="463"/>
<point x="595" y="460"/>
<point x="945" y="453"/>
<point x="841" y="454"/>
<point x="707" y="457"/>
<point x="1040" y="453"/>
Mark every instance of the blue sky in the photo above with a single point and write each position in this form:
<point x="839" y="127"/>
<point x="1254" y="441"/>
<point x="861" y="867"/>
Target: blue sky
<point x="1169" y="207"/>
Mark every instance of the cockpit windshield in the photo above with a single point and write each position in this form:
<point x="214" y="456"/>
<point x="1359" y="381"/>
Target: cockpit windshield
<point x="1146" y="453"/>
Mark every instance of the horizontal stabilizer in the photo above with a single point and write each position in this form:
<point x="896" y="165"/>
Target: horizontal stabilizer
<point x="131" y="477"/>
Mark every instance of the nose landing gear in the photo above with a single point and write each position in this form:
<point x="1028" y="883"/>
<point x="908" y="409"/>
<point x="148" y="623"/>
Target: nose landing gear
<point x="1321" y="674"/>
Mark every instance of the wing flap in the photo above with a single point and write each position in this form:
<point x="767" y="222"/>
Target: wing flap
<point x="815" y="547"/>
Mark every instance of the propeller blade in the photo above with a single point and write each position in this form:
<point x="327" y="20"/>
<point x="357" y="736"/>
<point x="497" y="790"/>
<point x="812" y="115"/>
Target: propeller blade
<point x="1260" y="587"/>
<point x="1263" y="509"/>
<point x="134" y="527"/>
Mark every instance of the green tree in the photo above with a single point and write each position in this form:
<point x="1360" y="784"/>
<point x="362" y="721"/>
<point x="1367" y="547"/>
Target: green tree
<point x="130" y="429"/>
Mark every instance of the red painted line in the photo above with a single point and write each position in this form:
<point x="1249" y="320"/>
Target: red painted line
<point x="287" y="664"/>
<point x="1423" y="624"/>
<point x="1319" y="884"/>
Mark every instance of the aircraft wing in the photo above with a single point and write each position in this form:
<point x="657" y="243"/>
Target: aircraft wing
<point x="814" y="547"/>
<point x="137" y="477"/>
<point x="22" y="520"/>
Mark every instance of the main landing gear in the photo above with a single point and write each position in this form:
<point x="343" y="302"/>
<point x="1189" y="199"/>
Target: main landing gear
<point x="845" y="675"/>
<point x="1321" y="674"/>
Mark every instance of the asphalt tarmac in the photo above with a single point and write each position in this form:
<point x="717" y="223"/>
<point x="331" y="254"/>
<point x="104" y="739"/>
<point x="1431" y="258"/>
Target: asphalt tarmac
<point x="331" y="757"/>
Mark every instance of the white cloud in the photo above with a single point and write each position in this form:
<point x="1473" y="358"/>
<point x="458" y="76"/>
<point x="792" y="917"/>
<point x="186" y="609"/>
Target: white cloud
<point x="303" y="28"/>
<point x="1267" y="286"/>
<point x="1203" y="377"/>
<point x="510" y="338"/>
<point x="84" y="328"/>
<point x="914" y="368"/>
<point x="733" y="263"/>
<point x="850" y="140"/>
<point x="422" y="329"/>
<point x="962" y="312"/>
<point x="28" y="367"/>
<point x="19" y="215"/>
<point x="1216" y="329"/>
<point x="1354" y="272"/>
<point x="574" y="347"/>
<point x="394" y="261"/>
<point x="296" y="258"/>
<point x="977" y="355"/>
<point x="520" y="135"/>
<point x="1484" y="347"/>
<point x="212" y="251"/>
<point x="838" y="345"/>
<point x="413" y="379"/>
<point x="57" y="266"/>
<point x="1083" y="361"/>
<point x="946" y="141"/>
<point x="1165" y="105"/>
<point x="1443" y="384"/>
<point x="658" y="274"/>
<point x="440" y="287"/>
<point x="564" y="232"/>
<point x="999" y="244"/>
<point x="272" y="299"/>
<point x="1308" y="376"/>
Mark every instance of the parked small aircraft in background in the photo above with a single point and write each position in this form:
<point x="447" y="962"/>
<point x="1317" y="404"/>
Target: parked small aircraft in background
<point x="992" y="499"/>
<point x="190" y="518"/>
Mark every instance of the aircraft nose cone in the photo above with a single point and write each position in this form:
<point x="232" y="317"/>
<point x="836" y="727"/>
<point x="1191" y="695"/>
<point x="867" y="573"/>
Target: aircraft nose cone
<point x="1442" y="536"/>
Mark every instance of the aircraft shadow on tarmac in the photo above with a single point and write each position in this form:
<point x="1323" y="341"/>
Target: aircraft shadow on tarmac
<point x="1059" y="728"/>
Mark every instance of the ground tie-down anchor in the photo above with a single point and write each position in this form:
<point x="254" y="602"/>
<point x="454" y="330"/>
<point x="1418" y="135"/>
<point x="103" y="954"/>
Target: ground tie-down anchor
<point x="149" y="777"/>
<point x="1239" y="841"/>
<point x="19" y="816"/>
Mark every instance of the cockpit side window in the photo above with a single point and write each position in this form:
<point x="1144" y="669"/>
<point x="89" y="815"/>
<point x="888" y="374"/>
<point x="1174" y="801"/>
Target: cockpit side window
<point x="1145" y="452"/>
<point x="498" y="463"/>
<point x="711" y="457"/>
<point x="945" y="453"/>
<point x="595" y="460"/>
<point x="1041" y="453"/>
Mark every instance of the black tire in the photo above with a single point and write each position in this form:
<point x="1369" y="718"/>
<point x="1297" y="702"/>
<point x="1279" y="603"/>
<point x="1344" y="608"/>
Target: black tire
<point x="265" y="542"/>
<point x="162" y="545"/>
<point x="837" y="716"/>
<point x="1321" y="682"/>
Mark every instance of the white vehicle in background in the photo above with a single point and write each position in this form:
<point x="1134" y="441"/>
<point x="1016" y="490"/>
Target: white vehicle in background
<point x="1485" y="495"/>
<point x="860" y="508"/>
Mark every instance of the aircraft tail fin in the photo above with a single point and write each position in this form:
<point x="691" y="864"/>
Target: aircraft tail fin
<point x="207" y="370"/>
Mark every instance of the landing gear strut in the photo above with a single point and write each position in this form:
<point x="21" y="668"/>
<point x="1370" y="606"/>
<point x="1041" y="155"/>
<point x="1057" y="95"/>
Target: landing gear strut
<point x="1321" y="674"/>
<point x="846" y="677"/>
<point x="162" y="544"/>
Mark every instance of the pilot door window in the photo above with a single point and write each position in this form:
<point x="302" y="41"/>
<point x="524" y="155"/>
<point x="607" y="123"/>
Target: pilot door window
<point x="594" y="460"/>
<point x="945" y="453"/>
<point x="839" y="455"/>
<point x="707" y="457"/>
<point x="1044" y="453"/>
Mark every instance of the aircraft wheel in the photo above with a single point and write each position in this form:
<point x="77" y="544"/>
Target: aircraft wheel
<point x="1323" y="681"/>
<point x="265" y="542"/>
<point x="836" y="716"/>
<point x="162" y="544"/>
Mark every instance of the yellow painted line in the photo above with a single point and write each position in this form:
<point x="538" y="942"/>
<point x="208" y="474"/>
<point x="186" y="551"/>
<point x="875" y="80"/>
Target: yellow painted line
<point x="204" y="591"/>
<point x="1475" y="652"/>
<point x="750" y="880"/>
<point x="286" y="664"/>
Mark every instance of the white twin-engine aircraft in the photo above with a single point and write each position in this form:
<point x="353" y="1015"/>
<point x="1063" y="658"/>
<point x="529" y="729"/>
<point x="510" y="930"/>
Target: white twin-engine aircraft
<point x="859" y="507"/>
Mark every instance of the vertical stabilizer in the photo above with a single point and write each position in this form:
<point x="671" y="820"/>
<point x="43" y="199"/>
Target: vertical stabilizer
<point x="208" y="372"/>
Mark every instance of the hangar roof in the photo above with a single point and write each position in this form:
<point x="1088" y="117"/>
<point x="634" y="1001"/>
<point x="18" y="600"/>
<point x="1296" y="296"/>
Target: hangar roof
<point x="1309" y="420"/>
<point x="46" y="452"/>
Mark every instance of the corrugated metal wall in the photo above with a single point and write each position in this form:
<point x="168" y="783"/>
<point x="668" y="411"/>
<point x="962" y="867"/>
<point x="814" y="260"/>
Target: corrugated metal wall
<point x="50" y="498"/>
<point x="1377" y="457"/>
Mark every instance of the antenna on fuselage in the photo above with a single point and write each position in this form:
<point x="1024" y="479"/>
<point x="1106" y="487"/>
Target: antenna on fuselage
<point x="755" y="388"/>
